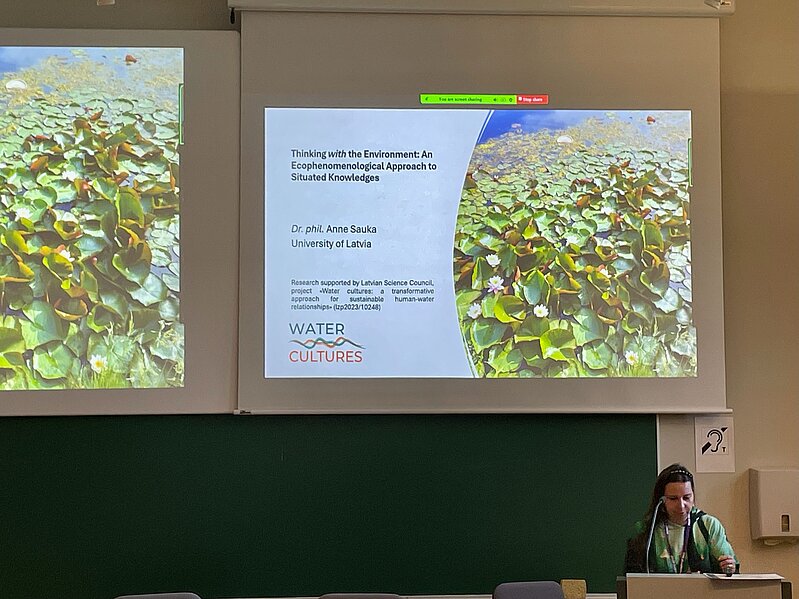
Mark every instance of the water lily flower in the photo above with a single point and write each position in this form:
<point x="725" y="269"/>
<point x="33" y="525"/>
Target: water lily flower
<point x="607" y="210"/>
<point x="98" y="363"/>
<point x="631" y="357"/>
<point x="16" y="84"/>
<point x="495" y="284"/>
<point x="70" y="175"/>
<point x="474" y="310"/>
<point x="541" y="311"/>
<point x="565" y="139"/>
<point x="23" y="212"/>
<point x="493" y="260"/>
<point x="65" y="253"/>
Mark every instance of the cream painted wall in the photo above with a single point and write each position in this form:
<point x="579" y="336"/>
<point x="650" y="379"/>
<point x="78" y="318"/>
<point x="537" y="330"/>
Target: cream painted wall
<point x="760" y="191"/>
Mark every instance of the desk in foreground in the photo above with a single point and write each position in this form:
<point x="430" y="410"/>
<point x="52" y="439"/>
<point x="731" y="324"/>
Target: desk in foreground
<point x="699" y="586"/>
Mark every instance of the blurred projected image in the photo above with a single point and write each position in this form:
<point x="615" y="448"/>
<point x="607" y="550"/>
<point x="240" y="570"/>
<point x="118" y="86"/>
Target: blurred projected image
<point x="572" y="247"/>
<point x="89" y="218"/>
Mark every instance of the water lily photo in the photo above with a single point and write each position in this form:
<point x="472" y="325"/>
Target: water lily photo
<point x="90" y="218"/>
<point x="573" y="237"/>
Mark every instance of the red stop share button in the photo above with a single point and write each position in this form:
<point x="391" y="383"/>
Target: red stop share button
<point x="532" y="99"/>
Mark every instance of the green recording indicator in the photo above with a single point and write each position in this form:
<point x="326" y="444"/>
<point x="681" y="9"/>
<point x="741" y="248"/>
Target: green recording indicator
<point x="690" y="162"/>
<point x="467" y="98"/>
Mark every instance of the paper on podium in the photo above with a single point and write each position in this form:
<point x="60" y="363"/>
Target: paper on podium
<point x="772" y="576"/>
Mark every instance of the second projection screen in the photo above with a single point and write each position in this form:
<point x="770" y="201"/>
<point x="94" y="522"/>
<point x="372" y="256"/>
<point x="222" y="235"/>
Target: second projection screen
<point x="89" y="217"/>
<point x="478" y="243"/>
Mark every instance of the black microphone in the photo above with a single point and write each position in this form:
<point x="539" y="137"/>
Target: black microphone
<point x="652" y="530"/>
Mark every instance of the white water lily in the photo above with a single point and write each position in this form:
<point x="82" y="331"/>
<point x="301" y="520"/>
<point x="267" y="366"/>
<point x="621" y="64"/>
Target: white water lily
<point x="541" y="311"/>
<point x="565" y="139"/>
<point x="70" y="175"/>
<point x="493" y="260"/>
<point x="65" y="253"/>
<point x="23" y="212"/>
<point x="631" y="357"/>
<point x="16" y="84"/>
<point x="98" y="363"/>
<point x="474" y="310"/>
<point x="495" y="284"/>
<point x="606" y="210"/>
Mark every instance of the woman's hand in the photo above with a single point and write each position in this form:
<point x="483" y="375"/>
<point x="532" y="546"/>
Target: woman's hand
<point x="727" y="563"/>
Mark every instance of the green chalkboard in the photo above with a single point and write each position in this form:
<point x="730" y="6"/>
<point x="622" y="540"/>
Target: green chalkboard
<point x="255" y="506"/>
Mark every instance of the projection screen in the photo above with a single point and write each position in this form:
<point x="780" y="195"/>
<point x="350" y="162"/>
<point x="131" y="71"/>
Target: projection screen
<point x="480" y="213"/>
<point x="119" y="197"/>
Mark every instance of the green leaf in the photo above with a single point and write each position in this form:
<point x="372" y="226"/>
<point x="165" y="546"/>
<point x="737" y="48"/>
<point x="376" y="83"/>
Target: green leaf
<point x="14" y="241"/>
<point x="486" y="333"/>
<point x="633" y="322"/>
<point x="77" y="341"/>
<point x="480" y="275"/>
<point x="169" y="346"/>
<point x="509" y="308"/>
<point x="656" y="279"/>
<point x="58" y="265"/>
<point x="133" y="263"/>
<point x="532" y="328"/>
<point x="598" y="356"/>
<point x="107" y="161"/>
<point x="652" y="235"/>
<point x="106" y="187"/>
<point x="115" y="301"/>
<point x="151" y="292"/>
<point x="169" y="309"/>
<point x="464" y="299"/>
<point x="91" y="246"/>
<point x="43" y="325"/>
<point x="53" y="363"/>
<point x="68" y="229"/>
<point x="101" y="318"/>
<point x="535" y="288"/>
<point x="11" y="340"/>
<point x="89" y="282"/>
<point x="505" y="360"/>
<point x="497" y="221"/>
<point x="558" y="344"/>
<point x="172" y="282"/>
<point x="118" y="349"/>
<point x="670" y="302"/>
<point x="590" y="327"/>
<point x="566" y="262"/>
<point x="129" y="208"/>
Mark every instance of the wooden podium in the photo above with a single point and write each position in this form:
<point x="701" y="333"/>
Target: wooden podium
<point x="699" y="586"/>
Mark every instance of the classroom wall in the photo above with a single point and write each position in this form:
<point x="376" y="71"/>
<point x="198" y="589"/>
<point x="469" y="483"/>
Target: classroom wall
<point x="760" y="206"/>
<point x="760" y="163"/>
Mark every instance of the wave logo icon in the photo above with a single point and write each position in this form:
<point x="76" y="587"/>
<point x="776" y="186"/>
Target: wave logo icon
<point x="335" y="343"/>
<point x="322" y="343"/>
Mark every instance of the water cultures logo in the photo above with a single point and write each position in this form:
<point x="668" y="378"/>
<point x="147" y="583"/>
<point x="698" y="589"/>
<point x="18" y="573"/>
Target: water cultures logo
<point x="335" y="350"/>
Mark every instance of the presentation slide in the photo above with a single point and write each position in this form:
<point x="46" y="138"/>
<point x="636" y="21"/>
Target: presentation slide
<point x="89" y="217"/>
<point x="440" y="242"/>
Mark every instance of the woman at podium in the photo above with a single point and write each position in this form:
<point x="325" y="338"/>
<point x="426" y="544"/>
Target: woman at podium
<point x="675" y="536"/>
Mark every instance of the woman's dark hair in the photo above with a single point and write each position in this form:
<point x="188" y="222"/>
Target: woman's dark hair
<point x="676" y="473"/>
<point x="635" y="560"/>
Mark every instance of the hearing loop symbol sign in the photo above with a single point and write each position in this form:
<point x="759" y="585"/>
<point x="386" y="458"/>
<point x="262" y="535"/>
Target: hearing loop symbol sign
<point x="714" y="445"/>
<point x="716" y="438"/>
